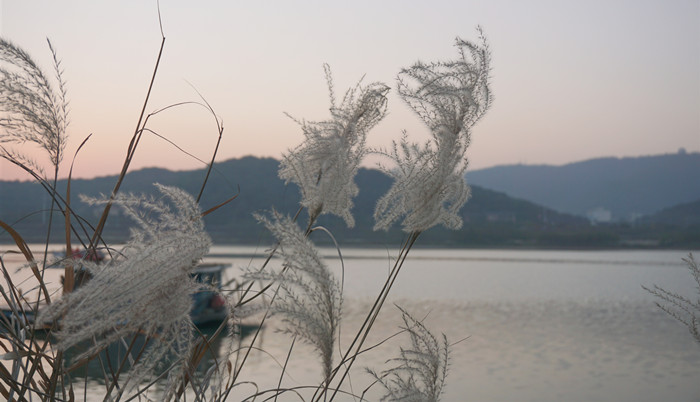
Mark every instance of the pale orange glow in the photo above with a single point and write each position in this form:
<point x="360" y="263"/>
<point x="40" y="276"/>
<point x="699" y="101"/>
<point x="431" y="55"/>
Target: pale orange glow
<point x="572" y="80"/>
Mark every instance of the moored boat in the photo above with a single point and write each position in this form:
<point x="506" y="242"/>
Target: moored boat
<point x="208" y="307"/>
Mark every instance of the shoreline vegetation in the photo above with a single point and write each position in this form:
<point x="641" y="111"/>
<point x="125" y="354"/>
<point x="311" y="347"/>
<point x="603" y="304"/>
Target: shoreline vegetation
<point x="491" y="219"/>
<point x="500" y="237"/>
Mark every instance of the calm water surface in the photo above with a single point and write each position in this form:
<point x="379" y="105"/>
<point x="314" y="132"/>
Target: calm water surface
<point x="539" y="325"/>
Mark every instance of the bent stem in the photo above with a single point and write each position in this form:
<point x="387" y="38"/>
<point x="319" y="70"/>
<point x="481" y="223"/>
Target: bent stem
<point x="130" y="153"/>
<point x="356" y="345"/>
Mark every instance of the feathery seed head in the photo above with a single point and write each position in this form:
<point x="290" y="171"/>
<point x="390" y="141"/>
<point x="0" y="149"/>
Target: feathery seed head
<point x="429" y="186"/>
<point x="325" y="164"/>
<point x="309" y="299"/>
<point x="450" y="96"/>
<point x="428" y="189"/>
<point x="146" y="289"/>
<point x="31" y="108"/>
<point x="421" y="370"/>
<point x="682" y="308"/>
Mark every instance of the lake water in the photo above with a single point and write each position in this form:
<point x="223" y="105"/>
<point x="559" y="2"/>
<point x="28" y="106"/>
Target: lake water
<point x="539" y="325"/>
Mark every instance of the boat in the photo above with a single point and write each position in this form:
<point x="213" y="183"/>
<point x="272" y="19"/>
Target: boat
<point x="208" y="307"/>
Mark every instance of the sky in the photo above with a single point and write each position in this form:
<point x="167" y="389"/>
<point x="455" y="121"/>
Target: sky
<point x="572" y="80"/>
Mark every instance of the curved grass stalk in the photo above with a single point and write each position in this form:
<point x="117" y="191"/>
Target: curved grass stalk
<point x="356" y="346"/>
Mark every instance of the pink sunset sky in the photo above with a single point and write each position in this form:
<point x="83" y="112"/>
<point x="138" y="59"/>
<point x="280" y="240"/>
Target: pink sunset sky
<point x="572" y="80"/>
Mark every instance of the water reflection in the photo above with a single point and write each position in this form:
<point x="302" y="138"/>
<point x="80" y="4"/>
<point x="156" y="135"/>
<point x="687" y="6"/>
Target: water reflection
<point x="120" y="356"/>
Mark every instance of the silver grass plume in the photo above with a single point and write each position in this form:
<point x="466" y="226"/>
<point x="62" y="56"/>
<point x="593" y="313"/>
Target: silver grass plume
<point x="450" y="97"/>
<point x="32" y="109"/>
<point x="146" y="289"/>
<point x="309" y="298"/>
<point x="680" y="307"/>
<point x="325" y="164"/>
<point x="420" y="373"/>
<point x="428" y="189"/>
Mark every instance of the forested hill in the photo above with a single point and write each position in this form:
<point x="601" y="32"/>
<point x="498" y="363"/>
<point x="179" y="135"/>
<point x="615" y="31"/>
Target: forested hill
<point x="490" y="218"/>
<point x="627" y="188"/>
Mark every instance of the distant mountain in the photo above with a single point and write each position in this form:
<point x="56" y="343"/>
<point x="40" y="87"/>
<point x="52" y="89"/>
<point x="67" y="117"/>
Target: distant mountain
<point x="490" y="217"/>
<point x="621" y="189"/>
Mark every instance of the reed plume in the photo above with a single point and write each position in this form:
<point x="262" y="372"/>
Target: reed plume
<point x="325" y="164"/>
<point x="682" y="308"/>
<point x="32" y="108"/>
<point x="309" y="298"/>
<point x="450" y="97"/>
<point x="146" y="289"/>
<point x="420" y="371"/>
